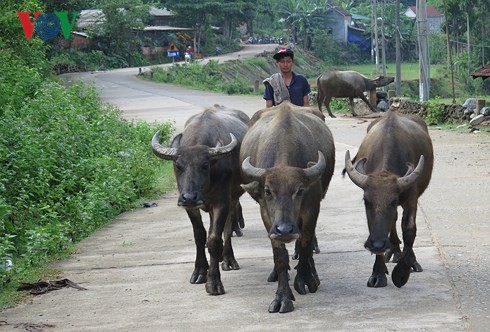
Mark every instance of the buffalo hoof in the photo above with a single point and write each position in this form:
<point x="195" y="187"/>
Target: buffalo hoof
<point x="377" y="280"/>
<point x="281" y="305"/>
<point x="238" y="232"/>
<point x="400" y="274"/>
<point x="416" y="267"/>
<point x="230" y="264"/>
<point x="303" y="281"/>
<point x="215" y="288"/>
<point x="199" y="276"/>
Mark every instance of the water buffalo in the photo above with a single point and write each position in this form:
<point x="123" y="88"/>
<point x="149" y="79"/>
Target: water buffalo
<point x="393" y="166"/>
<point x="206" y="166"/>
<point x="346" y="84"/>
<point x="288" y="158"/>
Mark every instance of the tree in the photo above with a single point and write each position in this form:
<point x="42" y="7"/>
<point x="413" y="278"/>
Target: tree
<point x="302" y="16"/>
<point x="115" y="36"/>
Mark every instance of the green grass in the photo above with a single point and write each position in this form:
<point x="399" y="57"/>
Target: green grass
<point x="409" y="71"/>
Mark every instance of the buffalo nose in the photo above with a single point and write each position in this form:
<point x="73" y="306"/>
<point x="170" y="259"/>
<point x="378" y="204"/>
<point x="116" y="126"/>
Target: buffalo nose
<point x="378" y="245"/>
<point x="188" y="197"/>
<point x="285" y="229"/>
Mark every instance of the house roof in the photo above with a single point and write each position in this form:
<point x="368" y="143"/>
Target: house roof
<point x="341" y="10"/>
<point x="483" y="72"/>
<point x="165" y="28"/>
<point x="160" y="12"/>
<point x="431" y="11"/>
<point x="92" y="17"/>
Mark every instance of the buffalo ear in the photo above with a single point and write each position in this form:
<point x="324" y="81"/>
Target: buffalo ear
<point x="176" y="141"/>
<point x="254" y="189"/>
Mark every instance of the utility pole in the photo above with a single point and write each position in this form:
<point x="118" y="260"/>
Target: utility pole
<point x="424" y="85"/>
<point x="375" y="28"/>
<point x="449" y="52"/>
<point x="398" y="82"/>
<point x="383" y="41"/>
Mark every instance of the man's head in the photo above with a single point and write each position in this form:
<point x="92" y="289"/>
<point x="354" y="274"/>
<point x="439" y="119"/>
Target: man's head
<point x="282" y="53"/>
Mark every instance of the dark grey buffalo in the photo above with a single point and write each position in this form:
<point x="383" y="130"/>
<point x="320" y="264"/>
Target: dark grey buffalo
<point x="393" y="166"/>
<point x="288" y="158"/>
<point x="206" y="166"/>
<point x="346" y="84"/>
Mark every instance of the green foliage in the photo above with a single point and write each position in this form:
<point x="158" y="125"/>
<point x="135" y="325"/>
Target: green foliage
<point x="202" y="77"/>
<point x="434" y="112"/>
<point x="333" y="51"/>
<point x="68" y="164"/>
<point x="438" y="48"/>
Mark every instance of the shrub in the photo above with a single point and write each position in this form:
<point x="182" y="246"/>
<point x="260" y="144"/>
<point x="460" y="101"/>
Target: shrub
<point x="68" y="164"/>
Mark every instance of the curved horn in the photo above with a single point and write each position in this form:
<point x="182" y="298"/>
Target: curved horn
<point x="223" y="151"/>
<point x="251" y="171"/>
<point x="408" y="180"/>
<point x="357" y="177"/>
<point x="160" y="151"/>
<point x="317" y="169"/>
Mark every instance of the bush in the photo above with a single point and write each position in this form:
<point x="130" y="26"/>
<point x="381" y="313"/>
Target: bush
<point x="68" y="164"/>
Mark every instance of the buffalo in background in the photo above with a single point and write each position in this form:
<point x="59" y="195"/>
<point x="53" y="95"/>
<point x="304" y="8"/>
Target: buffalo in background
<point x="347" y="84"/>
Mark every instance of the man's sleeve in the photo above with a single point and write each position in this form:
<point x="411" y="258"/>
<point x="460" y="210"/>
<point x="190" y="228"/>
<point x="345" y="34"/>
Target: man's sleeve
<point x="269" y="92"/>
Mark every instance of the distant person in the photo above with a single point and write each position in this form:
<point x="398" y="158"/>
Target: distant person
<point x="286" y="85"/>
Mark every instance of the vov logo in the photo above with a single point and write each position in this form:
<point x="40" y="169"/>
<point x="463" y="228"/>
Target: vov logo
<point x="47" y="25"/>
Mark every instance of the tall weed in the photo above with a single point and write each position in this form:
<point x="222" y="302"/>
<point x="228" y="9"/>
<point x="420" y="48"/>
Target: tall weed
<point x="68" y="164"/>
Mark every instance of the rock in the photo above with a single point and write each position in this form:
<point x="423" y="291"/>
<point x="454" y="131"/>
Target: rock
<point x="485" y="111"/>
<point x="477" y="120"/>
<point x="470" y="104"/>
<point x="382" y="106"/>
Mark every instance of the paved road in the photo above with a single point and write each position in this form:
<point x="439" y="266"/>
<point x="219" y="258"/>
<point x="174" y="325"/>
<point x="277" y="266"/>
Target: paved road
<point x="136" y="269"/>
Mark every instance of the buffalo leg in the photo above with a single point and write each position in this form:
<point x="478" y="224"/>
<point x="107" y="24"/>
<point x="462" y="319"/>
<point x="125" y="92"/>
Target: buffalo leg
<point x="214" y="286"/>
<point x="229" y="261"/>
<point x="394" y="246"/>
<point x="364" y="99"/>
<point x="378" y="278"/>
<point x="238" y="221"/>
<point x="316" y="248"/>
<point x="351" y="103"/>
<point x="201" y="266"/>
<point x="402" y="270"/>
<point x="283" y="302"/>
<point x="327" y="104"/>
<point x="306" y="271"/>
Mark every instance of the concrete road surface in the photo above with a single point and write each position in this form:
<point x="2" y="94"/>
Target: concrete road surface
<point x="137" y="268"/>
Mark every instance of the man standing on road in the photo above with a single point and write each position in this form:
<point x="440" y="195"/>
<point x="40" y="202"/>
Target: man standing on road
<point x="286" y="85"/>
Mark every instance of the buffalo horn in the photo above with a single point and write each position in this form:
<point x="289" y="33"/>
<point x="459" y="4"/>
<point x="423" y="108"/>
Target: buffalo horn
<point x="251" y="171"/>
<point x="223" y="151"/>
<point x="406" y="181"/>
<point x="317" y="169"/>
<point x="161" y="151"/>
<point x="357" y="177"/>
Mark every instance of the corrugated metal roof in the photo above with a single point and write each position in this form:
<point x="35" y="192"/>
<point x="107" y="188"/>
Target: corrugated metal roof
<point x="483" y="72"/>
<point x="160" y="12"/>
<point x="165" y="28"/>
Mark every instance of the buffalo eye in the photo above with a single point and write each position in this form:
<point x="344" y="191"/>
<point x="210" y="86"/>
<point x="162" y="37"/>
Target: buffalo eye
<point x="267" y="192"/>
<point x="178" y="167"/>
<point x="394" y="203"/>
<point x="300" y="192"/>
<point x="205" y="167"/>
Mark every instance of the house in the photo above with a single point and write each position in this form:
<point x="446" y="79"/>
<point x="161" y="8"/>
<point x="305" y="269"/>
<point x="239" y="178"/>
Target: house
<point x="434" y="18"/>
<point x="155" y="36"/>
<point x="347" y="27"/>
